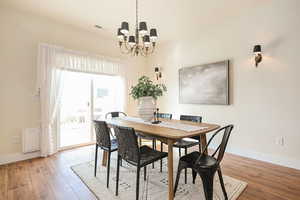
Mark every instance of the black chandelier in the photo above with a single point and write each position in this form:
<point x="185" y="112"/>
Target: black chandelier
<point x="142" y="43"/>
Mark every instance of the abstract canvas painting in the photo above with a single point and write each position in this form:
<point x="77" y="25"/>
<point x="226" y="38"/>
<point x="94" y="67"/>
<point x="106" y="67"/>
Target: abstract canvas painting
<point x="205" y="84"/>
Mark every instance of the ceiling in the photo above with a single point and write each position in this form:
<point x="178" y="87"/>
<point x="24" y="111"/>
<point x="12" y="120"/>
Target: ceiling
<point x="173" y="18"/>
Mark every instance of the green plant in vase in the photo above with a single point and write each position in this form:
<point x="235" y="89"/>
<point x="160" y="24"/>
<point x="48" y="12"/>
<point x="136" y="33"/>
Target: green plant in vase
<point x="147" y="92"/>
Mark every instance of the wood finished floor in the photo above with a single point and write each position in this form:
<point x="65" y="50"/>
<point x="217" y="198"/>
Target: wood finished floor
<point x="51" y="178"/>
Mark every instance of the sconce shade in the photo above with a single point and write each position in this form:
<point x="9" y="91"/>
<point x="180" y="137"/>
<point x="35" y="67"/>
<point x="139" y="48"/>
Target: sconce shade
<point x="157" y="73"/>
<point x="143" y="27"/>
<point x="124" y="27"/>
<point x="257" y="49"/>
<point x="257" y="53"/>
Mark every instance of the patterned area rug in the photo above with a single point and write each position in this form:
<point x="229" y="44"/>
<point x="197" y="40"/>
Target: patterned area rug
<point x="156" y="185"/>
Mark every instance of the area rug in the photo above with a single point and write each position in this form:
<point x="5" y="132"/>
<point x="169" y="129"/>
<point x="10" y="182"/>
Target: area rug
<point x="156" y="185"/>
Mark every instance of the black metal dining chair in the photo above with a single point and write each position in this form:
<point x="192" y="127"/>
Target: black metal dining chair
<point x="146" y="137"/>
<point x="115" y="114"/>
<point x="206" y="166"/>
<point x="184" y="143"/>
<point x="192" y="118"/>
<point x="107" y="144"/>
<point x="133" y="154"/>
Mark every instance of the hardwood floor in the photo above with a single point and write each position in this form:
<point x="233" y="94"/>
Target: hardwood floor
<point x="51" y="178"/>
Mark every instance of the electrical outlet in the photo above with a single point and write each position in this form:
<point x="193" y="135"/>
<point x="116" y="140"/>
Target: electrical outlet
<point x="280" y="141"/>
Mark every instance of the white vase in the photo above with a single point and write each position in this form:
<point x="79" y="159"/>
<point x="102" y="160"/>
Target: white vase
<point x="146" y="108"/>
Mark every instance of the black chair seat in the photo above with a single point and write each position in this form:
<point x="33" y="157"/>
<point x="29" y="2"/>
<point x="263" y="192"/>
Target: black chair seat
<point x="113" y="147"/>
<point x="205" y="161"/>
<point x="186" y="143"/>
<point x="149" y="155"/>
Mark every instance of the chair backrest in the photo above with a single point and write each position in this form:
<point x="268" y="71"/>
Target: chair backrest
<point x="102" y="134"/>
<point x="191" y="118"/>
<point x="115" y="114"/>
<point x="222" y="147"/>
<point x="127" y="144"/>
<point x="164" y="115"/>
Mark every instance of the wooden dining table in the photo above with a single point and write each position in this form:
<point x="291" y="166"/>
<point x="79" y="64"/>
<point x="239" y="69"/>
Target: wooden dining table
<point x="167" y="135"/>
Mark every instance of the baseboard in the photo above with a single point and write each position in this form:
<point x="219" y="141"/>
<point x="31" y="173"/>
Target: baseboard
<point x="278" y="160"/>
<point x="10" y="158"/>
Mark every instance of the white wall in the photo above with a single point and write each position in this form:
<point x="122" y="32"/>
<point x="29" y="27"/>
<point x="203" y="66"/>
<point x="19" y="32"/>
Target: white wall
<point x="20" y="34"/>
<point x="264" y="100"/>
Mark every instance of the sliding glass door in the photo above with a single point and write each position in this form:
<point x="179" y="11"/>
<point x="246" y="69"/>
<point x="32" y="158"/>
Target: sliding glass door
<point x="86" y="97"/>
<point x="108" y="93"/>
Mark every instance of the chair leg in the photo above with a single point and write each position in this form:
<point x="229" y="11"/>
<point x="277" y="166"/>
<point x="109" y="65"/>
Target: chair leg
<point x="96" y="158"/>
<point x="194" y="174"/>
<point x="177" y="178"/>
<point x="179" y="152"/>
<point x="161" y="150"/>
<point x="208" y="183"/>
<point x="153" y="147"/>
<point x="108" y="170"/>
<point x="145" y="172"/>
<point x="137" y="183"/>
<point x="118" y="173"/>
<point x="222" y="183"/>
<point x="185" y="170"/>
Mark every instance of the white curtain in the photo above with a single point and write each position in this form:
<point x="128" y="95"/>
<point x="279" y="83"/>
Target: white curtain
<point x="53" y="61"/>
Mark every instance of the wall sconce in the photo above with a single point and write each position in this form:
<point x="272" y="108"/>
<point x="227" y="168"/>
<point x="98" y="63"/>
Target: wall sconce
<point x="157" y="73"/>
<point x="258" y="54"/>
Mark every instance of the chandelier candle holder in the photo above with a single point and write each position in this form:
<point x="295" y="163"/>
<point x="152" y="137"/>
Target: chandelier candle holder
<point x="142" y="43"/>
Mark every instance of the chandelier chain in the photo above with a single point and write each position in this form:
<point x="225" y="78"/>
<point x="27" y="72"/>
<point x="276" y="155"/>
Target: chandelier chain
<point x="136" y="18"/>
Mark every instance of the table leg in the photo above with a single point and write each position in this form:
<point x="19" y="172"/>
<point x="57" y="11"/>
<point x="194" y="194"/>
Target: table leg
<point x="170" y="169"/>
<point x="104" y="158"/>
<point x="203" y="142"/>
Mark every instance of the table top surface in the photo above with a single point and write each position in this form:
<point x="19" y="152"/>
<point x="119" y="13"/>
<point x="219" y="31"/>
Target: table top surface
<point x="163" y="132"/>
